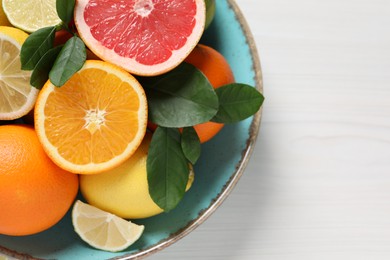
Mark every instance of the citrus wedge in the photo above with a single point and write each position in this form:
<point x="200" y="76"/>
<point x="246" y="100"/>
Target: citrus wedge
<point x="31" y="15"/>
<point x="17" y="96"/>
<point x="95" y="121"/>
<point x="104" y="230"/>
<point x="144" y="37"/>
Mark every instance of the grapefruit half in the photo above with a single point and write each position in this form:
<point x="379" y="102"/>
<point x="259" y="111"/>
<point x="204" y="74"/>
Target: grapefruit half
<point x="144" y="37"/>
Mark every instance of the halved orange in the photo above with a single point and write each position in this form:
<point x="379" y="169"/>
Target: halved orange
<point x="95" y="121"/>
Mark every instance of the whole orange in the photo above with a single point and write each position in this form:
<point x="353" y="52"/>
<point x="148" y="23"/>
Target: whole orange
<point x="61" y="37"/>
<point x="217" y="70"/>
<point x="34" y="193"/>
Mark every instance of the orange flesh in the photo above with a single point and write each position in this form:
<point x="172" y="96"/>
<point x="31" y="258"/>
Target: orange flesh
<point x="83" y="122"/>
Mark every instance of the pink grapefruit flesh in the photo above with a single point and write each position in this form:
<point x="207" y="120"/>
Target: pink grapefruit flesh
<point x="145" y="37"/>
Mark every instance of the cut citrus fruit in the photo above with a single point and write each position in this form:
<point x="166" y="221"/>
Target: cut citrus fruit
<point x="145" y="37"/>
<point x="17" y="96"/>
<point x="31" y="15"/>
<point x="124" y="190"/>
<point x="104" y="230"/>
<point x="95" y="121"/>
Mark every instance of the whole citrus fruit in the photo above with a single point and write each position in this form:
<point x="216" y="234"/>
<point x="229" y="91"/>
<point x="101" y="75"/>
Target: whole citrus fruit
<point x="34" y="193"/>
<point x="124" y="191"/>
<point x="218" y="71"/>
<point x="61" y="37"/>
<point x="210" y="12"/>
<point x="144" y="37"/>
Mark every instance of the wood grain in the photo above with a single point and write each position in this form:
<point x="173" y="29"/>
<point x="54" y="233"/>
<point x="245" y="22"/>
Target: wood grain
<point x="318" y="184"/>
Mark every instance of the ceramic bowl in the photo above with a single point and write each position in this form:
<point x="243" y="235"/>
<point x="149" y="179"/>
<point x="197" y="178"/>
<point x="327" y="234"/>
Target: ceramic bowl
<point x="222" y="163"/>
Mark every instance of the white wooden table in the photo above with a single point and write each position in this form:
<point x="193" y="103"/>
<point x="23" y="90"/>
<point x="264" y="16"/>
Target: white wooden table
<point x="318" y="184"/>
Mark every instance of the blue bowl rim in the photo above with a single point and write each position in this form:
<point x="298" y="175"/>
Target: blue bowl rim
<point x="240" y="167"/>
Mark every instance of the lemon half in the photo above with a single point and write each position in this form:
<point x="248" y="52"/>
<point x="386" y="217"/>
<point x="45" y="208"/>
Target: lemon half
<point x="17" y="96"/>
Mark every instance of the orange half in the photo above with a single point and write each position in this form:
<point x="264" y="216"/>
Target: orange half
<point x="95" y="121"/>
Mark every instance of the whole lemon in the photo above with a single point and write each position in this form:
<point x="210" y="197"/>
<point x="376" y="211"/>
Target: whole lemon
<point x="123" y="191"/>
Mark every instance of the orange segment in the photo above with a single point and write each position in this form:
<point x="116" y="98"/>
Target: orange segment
<point x="95" y="121"/>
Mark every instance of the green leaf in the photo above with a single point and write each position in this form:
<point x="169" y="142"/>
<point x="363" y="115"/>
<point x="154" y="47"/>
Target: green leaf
<point x="69" y="61"/>
<point x="65" y="10"/>
<point x="190" y="144"/>
<point x="237" y="102"/>
<point x="35" y="46"/>
<point x="41" y="71"/>
<point x="167" y="168"/>
<point x="182" y="97"/>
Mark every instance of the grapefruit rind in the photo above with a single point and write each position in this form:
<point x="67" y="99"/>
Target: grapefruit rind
<point x="130" y="64"/>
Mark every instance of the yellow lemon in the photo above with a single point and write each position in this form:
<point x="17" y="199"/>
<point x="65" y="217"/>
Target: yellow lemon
<point x="123" y="191"/>
<point x="17" y="96"/>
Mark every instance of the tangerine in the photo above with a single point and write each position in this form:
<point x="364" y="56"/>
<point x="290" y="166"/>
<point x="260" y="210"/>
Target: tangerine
<point x="35" y="193"/>
<point x="219" y="73"/>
